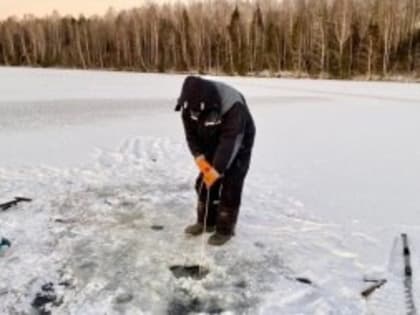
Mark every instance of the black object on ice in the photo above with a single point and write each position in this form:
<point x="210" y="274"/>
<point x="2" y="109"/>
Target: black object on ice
<point x="5" y="242"/>
<point x="157" y="227"/>
<point x="5" y="206"/>
<point x="406" y="252"/>
<point x="195" y="271"/>
<point x="376" y="285"/>
<point x="408" y="279"/>
<point x="47" y="296"/>
<point x="48" y="287"/>
<point x="42" y="299"/>
<point x="304" y="280"/>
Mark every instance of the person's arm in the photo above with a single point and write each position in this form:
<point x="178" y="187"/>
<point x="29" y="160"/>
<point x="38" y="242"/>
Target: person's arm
<point x="231" y="137"/>
<point x="191" y="134"/>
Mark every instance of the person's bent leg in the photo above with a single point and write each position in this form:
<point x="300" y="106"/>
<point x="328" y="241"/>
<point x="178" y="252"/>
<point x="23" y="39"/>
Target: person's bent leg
<point x="231" y="194"/>
<point x="207" y="202"/>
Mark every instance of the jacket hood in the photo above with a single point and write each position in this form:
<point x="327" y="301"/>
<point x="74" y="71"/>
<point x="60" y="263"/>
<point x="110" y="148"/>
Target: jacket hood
<point x="198" y="95"/>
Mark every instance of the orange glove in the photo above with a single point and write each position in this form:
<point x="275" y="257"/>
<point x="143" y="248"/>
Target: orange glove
<point x="210" y="175"/>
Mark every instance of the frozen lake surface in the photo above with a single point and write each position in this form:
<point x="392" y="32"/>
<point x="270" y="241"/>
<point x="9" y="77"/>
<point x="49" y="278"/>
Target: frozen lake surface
<point x="334" y="181"/>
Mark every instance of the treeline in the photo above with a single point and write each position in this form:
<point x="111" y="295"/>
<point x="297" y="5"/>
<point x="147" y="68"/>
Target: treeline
<point x="320" y="38"/>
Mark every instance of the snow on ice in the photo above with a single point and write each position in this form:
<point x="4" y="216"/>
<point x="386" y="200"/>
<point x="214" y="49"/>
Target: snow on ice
<point x="333" y="184"/>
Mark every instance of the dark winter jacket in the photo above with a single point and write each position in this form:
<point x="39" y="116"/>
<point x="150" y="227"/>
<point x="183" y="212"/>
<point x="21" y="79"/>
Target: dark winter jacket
<point x="217" y="122"/>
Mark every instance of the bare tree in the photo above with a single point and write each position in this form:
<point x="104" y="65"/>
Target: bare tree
<point x="334" y="38"/>
<point x="343" y="11"/>
<point x="256" y="41"/>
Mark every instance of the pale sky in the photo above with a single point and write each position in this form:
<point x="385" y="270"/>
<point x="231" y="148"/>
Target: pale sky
<point x="43" y="7"/>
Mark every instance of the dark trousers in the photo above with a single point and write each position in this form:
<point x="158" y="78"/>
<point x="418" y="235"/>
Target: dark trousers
<point x="224" y="196"/>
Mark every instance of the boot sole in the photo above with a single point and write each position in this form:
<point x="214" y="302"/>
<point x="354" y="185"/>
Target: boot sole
<point x="208" y="230"/>
<point x="218" y="243"/>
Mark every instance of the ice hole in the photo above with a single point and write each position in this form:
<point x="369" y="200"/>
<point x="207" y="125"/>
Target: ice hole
<point x="196" y="272"/>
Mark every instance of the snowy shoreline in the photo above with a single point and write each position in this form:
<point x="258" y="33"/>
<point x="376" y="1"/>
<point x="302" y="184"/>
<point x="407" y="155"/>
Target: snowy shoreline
<point x="288" y="75"/>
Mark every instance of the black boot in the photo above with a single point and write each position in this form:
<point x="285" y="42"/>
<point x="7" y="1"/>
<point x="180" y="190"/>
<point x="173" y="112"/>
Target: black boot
<point x="198" y="228"/>
<point x="225" y="227"/>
